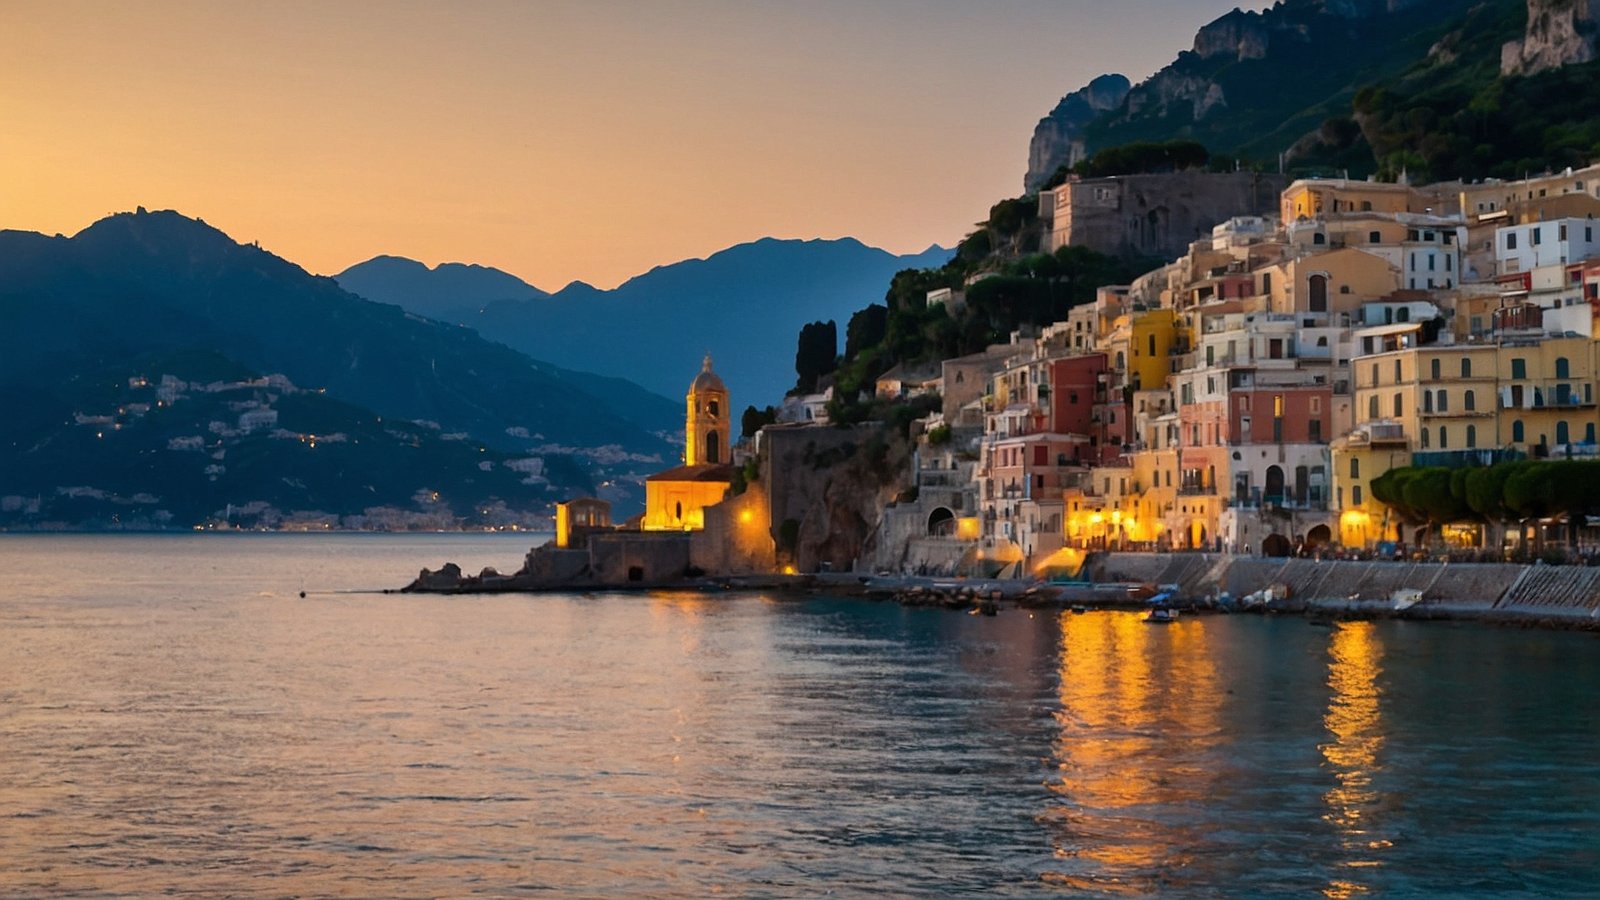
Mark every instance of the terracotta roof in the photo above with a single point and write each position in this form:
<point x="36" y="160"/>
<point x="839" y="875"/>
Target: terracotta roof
<point x="700" y="472"/>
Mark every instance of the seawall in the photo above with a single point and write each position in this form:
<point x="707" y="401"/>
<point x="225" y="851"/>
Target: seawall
<point x="1566" y="595"/>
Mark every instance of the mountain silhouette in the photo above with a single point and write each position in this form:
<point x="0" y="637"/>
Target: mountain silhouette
<point x="744" y="305"/>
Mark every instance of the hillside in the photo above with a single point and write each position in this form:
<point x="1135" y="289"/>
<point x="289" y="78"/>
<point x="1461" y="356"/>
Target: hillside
<point x="141" y="296"/>
<point x="743" y="305"/>
<point x="1438" y="88"/>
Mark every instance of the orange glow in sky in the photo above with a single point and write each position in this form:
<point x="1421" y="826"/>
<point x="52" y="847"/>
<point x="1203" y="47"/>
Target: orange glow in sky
<point x="554" y="140"/>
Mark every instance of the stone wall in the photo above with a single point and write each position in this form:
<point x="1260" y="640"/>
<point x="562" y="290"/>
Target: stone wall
<point x="1158" y="215"/>
<point x="1485" y="588"/>
<point x="637" y="557"/>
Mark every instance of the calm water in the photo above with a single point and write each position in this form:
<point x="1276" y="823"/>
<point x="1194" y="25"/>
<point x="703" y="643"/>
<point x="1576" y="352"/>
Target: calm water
<point x="175" y="719"/>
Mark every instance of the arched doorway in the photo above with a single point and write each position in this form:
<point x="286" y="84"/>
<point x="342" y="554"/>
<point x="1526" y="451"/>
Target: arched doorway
<point x="713" y="452"/>
<point x="1319" y="536"/>
<point x="1275" y="545"/>
<point x="1197" y="535"/>
<point x="1274" y="488"/>
<point x="1319" y="293"/>
<point x="941" y="523"/>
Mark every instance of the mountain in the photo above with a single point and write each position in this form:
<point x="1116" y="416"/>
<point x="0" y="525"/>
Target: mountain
<point x="1438" y="88"/>
<point x="1058" y="139"/>
<point x="99" y="322"/>
<point x="743" y="305"/>
<point x="449" y="292"/>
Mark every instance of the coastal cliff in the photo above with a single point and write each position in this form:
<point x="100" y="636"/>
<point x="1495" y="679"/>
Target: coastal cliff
<point x="1058" y="138"/>
<point x="1559" y="33"/>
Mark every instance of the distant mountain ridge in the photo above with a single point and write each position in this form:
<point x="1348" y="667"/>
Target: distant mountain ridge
<point x="743" y="305"/>
<point x="447" y="292"/>
<point x="141" y="296"/>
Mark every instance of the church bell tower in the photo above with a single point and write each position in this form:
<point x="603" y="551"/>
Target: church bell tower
<point x="706" y="431"/>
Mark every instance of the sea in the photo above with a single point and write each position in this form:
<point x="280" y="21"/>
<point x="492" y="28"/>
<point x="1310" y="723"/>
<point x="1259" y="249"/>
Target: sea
<point x="177" y="720"/>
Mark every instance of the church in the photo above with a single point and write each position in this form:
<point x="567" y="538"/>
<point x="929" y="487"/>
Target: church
<point x="676" y="500"/>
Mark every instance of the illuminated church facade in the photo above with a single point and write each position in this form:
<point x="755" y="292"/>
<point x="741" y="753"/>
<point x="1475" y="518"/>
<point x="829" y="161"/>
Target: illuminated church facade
<point x="676" y="500"/>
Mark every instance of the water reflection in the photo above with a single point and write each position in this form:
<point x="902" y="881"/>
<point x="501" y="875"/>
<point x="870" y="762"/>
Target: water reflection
<point x="1354" y="720"/>
<point x="1138" y="721"/>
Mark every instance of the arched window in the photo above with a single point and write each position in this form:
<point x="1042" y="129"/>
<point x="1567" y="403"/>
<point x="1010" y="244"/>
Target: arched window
<point x="711" y="407"/>
<point x="1466" y="368"/>
<point x="1355" y="467"/>
<point x="1444" y="400"/>
<point x="1517" y="434"/>
<point x="1427" y="402"/>
<point x="1563" y="370"/>
<point x="677" y="510"/>
<point x="713" y="452"/>
<point x="1470" y="401"/>
<point x="1424" y="438"/>
<point x="1444" y="438"/>
<point x="1563" y="435"/>
<point x="1472" y="436"/>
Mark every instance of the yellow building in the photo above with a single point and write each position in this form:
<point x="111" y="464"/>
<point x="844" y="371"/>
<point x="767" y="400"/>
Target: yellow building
<point x="1149" y="348"/>
<point x="1537" y="397"/>
<point x="1372" y="449"/>
<point x="675" y="500"/>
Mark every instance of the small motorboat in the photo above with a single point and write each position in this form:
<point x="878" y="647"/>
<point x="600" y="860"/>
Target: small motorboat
<point x="1162" y="615"/>
<point x="1079" y="609"/>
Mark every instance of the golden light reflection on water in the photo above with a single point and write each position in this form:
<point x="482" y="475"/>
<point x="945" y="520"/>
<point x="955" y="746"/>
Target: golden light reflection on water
<point x="1138" y="716"/>
<point x="1354" y="720"/>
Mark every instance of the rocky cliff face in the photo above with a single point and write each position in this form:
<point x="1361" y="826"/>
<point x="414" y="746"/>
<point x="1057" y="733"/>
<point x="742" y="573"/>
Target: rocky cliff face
<point x="1058" y="138"/>
<point x="1560" y="32"/>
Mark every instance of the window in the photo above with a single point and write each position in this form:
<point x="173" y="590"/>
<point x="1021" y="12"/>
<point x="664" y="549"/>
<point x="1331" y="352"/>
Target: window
<point x="1152" y="345"/>
<point x="711" y="407"/>
<point x="1563" y="369"/>
<point x="1374" y="374"/>
<point x="1433" y="369"/>
<point x="1427" y="401"/>
<point x="1533" y="235"/>
<point x="1561" y="232"/>
<point x="1372" y="407"/>
<point x="1511" y="240"/>
<point x="1316" y="406"/>
<point x="1355" y="495"/>
<point x="1466" y="367"/>
<point x="1424" y="438"/>
<point x="1355" y="467"/>
<point x="1316" y="431"/>
<point x="1517" y="434"/>
<point x="1470" y="401"/>
<point x="1472" y="436"/>
<point x="1397" y="406"/>
<point x="1519" y="367"/>
<point x="1444" y="400"/>
<point x="1563" y="435"/>
<point x="1375" y="237"/>
<point x="1444" y="438"/>
<point x="1319" y="238"/>
<point x="1397" y="371"/>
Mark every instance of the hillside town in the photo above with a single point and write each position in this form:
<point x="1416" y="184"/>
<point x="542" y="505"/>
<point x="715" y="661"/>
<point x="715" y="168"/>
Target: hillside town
<point x="1243" y="397"/>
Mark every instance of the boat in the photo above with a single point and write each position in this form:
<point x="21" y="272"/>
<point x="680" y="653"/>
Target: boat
<point x="1079" y="609"/>
<point x="1162" y="615"/>
<point x="1404" y="598"/>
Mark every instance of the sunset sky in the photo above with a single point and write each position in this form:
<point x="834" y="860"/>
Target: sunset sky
<point x="558" y="141"/>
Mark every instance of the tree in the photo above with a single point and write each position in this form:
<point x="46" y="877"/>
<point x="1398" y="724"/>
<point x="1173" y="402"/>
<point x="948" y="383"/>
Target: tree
<point x="816" y="354"/>
<point x="866" y="329"/>
<point x="753" y="419"/>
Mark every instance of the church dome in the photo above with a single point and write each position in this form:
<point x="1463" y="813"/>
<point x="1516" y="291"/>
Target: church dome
<point x="707" y="380"/>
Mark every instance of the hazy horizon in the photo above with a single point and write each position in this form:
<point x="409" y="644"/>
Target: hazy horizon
<point x="554" y="141"/>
